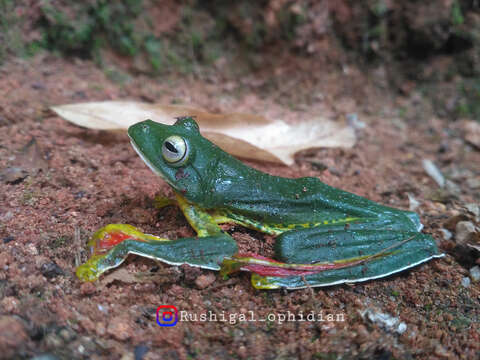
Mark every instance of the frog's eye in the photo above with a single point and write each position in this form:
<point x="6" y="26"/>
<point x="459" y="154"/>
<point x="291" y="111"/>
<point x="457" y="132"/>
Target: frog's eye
<point x="175" y="150"/>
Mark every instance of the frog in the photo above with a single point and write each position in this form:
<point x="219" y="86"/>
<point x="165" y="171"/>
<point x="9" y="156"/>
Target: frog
<point x="324" y="236"/>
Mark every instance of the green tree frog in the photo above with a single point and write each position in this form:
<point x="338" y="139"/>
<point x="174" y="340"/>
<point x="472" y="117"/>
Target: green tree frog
<point x="325" y="236"/>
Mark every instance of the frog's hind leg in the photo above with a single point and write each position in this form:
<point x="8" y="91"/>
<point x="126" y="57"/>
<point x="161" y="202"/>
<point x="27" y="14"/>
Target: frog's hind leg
<point x="112" y="244"/>
<point x="313" y="257"/>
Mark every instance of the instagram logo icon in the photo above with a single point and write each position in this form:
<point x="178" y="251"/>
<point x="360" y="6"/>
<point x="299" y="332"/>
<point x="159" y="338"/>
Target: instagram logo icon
<point x="167" y="315"/>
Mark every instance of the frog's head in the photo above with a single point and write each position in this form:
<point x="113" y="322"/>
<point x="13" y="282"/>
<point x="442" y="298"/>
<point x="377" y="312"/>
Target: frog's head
<point x="177" y="153"/>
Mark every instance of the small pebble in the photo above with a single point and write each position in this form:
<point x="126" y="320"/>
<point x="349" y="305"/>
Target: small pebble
<point x="447" y="235"/>
<point x="354" y="122"/>
<point x="473" y="208"/>
<point x="242" y="351"/>
<point x="13" y="175"/>
<point x="31" y="249"/>
<point x="463" y="231"/>
<point x="204" y="281"/>
<point x="402" y="327"/>
<point x="7" y="239"/>
<point x="38" y="86"/>
<point x="475" y="273"/>
<point x="120" y="329"/>
<point x="140" y="351"/>
<point x="362" y="334"/>
<point x="414" y="204"/>
<point x="473" y="183"/>
<point x="87" y="288"/>
<point x="432" y="170"/>
<point x="384" y="320"/>
<point x="67" y="334"/>
<point x="471" y="130"/>
<point x="441" y="352"/>
<point x="466" y="282"/>
<point x="453" y="220"/>
<point x="51" y="270"/>
<point x="13" y="335"/>
<point x="10" y="304"/>
<point x="100" y="329"/>
<point x="44" y="357"/>
<point x="7" y="216"/>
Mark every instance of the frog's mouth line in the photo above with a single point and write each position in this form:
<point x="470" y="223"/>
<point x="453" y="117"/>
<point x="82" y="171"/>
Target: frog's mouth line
<point x="148" y="163"/>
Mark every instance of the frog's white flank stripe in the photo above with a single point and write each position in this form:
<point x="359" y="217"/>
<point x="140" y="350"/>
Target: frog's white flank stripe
<point x="216" y="268"/>
<point x="343" y="281"/>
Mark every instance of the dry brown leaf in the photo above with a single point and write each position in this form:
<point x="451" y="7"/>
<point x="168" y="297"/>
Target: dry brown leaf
<point x="474" y="242"/>
<point x="472" y="132"/>
<point x="242" y="135"/>
<point x="475" y="247"/>
<point x="28" y="161"/>
<point x="120" y="274"/>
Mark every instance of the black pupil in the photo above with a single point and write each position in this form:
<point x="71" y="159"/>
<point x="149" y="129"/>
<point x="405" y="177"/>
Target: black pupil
<point x="171" y="147"/>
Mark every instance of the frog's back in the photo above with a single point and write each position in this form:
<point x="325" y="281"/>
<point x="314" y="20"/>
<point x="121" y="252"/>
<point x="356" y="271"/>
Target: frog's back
<point x="304" y="201"/>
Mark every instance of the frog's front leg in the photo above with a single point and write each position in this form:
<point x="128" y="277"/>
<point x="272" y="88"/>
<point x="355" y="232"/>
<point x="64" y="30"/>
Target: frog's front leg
<point x="160" y="202"/>
<point x="111" y="245"/>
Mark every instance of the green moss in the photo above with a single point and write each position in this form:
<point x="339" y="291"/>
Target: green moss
<point x="290" y="21"/>
<point x="379" y="8"/>
<point x="205" y="31"/>
<point x="461" y="323"/>
<point x="325" y="356"/>
<point x="402" y="112"/>
<point x="154" y="49"/>
<point x="86" y="27"/>
<point x="11" y="37"/>
<point x="29" y="197"/>
<point x="457" y="15"/>
<point x="117" y="76"/>
<point x="125" y="27"/>
<point x="469" y="99"/>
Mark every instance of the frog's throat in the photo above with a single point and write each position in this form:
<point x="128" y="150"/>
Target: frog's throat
<point x="149" y="164"/>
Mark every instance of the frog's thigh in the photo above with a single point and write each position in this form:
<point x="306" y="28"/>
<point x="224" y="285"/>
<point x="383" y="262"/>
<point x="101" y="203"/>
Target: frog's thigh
<point x="307" y="246"/>
<point x="420" y="248"/>
<point x="315" y="245"/>
<point x="206" y="253"/>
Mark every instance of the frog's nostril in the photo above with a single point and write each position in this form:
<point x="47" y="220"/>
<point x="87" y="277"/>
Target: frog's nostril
<point x="145" y="128"/>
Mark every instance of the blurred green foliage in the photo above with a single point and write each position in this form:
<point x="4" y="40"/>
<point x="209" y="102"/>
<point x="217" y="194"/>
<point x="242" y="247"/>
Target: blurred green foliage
<point x="469" y="102"/>
<point x="11" y="40"/>
<point x="84" y="28"/>
<point x="204" y="31"/>
<point x="381" y="33"/>
<point x="457" y="15"/>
